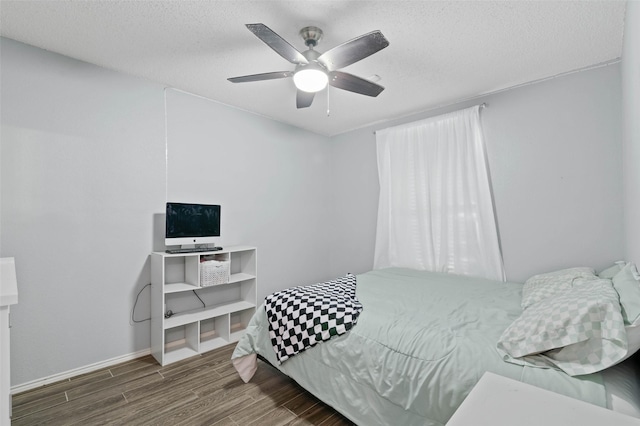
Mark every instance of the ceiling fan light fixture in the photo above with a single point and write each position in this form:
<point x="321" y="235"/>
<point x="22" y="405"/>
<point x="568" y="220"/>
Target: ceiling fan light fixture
<point x="310" y="79"/>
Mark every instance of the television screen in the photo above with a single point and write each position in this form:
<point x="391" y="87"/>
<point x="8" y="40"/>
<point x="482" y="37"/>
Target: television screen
<point x="192" y="223"/>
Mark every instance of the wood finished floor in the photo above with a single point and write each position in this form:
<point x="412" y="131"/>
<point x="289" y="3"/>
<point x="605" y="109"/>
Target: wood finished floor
<point x="203" y="390"/>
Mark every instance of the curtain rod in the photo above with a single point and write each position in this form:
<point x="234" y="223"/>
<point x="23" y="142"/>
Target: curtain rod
<point x="481" y="106"/>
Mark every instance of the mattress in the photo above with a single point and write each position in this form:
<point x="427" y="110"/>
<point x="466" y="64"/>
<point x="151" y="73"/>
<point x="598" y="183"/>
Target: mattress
<point x="421" y="343"/>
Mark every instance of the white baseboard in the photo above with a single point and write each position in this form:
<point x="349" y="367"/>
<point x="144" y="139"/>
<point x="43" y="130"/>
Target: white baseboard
<point x="77" y="371"/>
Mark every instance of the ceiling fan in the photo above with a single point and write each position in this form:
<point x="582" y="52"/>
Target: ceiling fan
<point x="314" y="70"/>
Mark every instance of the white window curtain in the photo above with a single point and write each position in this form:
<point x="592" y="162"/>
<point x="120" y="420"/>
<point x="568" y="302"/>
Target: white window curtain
<point x="435" y="209"/>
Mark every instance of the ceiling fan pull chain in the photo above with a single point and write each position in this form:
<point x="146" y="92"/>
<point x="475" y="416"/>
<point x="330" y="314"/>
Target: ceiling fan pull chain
<point x="328" y="107"/>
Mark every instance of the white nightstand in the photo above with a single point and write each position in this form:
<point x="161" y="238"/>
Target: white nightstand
<point x="499" y="401"/>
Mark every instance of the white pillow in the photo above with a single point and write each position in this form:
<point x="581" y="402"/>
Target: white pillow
<point x="543" y="286"/>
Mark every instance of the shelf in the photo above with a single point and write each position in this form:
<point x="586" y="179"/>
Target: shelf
<point x="176" y="354"/>
<point x="237" y="331"/>
<point x="177" y="287"/>
<point x="236" y="278"/>
<point x="234" y="249"/>
<point x="237" y="327"/>
<point x="204" y="313"/>
<point x="234" y="337"/>
<point x="213" y="342"/>
<point x="209" y="335"/>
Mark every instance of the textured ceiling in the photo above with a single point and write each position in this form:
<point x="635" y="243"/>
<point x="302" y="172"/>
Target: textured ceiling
<point x="439" y="52"/>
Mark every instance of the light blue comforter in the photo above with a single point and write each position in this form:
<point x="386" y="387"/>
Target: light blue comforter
<point x="421" y="343"/>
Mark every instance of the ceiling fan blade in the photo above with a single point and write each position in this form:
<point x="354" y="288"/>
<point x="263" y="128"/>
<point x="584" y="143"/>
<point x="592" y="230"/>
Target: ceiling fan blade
<point x="304" y="99"/>
<point x="353" y="50"/>
<point x="277" y="43"/>
<point x="260" y="77"/>
<point x="352" y="83"/>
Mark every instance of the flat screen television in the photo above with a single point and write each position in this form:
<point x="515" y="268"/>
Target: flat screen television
<point x="192" y="224"/>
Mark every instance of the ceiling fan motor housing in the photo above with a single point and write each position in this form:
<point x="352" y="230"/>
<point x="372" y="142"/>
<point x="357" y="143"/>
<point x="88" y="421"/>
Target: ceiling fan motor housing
<point x="312" y="57"/>
<point x="311" y="35"/>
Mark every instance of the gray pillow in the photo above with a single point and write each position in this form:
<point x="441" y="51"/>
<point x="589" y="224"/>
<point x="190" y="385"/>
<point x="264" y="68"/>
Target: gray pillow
<point x="579" y="331"/>
<point x="628" y="288"/>
<point x="611" y="271"/>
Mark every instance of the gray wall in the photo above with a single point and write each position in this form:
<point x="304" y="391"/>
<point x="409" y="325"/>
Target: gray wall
<point x="82" y="174"/>
<point x="271" y="180"/>
<point x="555" y="158"/>
<point x="84" y="180"/>
<point x="631" y="130"/>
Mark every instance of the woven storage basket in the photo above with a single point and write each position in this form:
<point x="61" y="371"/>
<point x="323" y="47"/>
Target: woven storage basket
<point x="214" y="272"/>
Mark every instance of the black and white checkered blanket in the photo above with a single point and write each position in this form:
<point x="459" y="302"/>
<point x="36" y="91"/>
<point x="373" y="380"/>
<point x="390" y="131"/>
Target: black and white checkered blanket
<point x="300" y="317"/>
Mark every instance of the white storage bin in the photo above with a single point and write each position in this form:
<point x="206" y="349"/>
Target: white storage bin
<point x="214" y="272"/>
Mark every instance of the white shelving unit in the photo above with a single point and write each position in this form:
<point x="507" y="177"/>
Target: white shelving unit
<point x="8" y="297"/>
<point x="212" y="317"/>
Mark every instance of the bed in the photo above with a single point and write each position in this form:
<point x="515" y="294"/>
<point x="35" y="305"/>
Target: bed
<point x="421" y="343"/>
